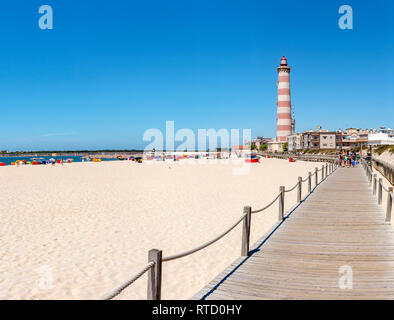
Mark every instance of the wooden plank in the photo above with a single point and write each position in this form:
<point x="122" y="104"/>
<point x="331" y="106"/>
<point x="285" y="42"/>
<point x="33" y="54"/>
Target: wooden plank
<point x="339" y="224"/>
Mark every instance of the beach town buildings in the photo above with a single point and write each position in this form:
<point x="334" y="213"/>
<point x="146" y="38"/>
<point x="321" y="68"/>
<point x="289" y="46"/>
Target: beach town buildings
<point x="314" y="139"/>
<point x="381" y="136"/>
<point x="276" y="146"/>
<point x="354" y="137"/>
<point x="295" y="142"/>
<point x="259" y="141"/>
<point x="340" y="139"/>
<point x="322" y="139"/>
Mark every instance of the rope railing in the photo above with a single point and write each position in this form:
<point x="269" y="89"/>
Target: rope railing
<point x="268" y="205"/>
<point x="123" y="286"/>
<point x="290" y="190"/>
<point x="155" y="256"/>
<point x="189" y="252"/>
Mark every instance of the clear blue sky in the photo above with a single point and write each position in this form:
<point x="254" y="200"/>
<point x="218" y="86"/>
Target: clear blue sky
<point x="109" y="70"/>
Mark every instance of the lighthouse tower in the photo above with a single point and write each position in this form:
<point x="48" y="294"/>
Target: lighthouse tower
<point x="284" y="122"/>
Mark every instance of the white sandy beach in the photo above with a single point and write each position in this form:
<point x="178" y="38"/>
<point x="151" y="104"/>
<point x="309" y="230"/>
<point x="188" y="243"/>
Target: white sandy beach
<point x="79" y="230"/>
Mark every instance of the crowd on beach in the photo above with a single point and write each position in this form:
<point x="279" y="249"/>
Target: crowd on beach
<point x="349" y="159"/>
<point x="39" y="161"/>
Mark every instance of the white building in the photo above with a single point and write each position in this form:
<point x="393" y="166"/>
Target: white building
<point x="327" y="140"/>
<point x="275" y="146"/>
<point x="382" y="136"/>
<point x="295" y="142"/>
<point x="379" y="138"/>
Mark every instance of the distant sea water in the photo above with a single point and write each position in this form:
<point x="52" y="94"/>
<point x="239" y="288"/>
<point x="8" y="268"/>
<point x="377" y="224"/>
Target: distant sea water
<point x="9" y="160"/>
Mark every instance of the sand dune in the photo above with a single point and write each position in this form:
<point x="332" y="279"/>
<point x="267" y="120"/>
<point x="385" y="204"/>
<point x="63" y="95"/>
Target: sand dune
<point x="79" y="230"/>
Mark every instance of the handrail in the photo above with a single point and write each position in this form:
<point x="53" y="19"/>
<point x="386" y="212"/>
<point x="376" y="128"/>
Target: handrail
<point x="385" y="168"/>
<point x="186" y="253"/>
<point x="383" y="162"/>
<point x="387" y="190"/>
<point x="123" y="286"/>
<point x="291" y="188"/>
<point x="373" y="181"/>
<point x="305" y="157"/>
<point x="155" y="258"/>
<point x="268" y="205"/>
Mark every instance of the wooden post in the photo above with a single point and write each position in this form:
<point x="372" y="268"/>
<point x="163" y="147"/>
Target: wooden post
<point x="389" y="204"/>
<point x="322" y="172"/>
<point x="380" y="187"/>
<point x="309" y="182"/>
<point x="154" y="275"/>
<point x="281" y="203"/>
<point x="370" y="161"/>
<point x="246" y="232"/>
<point x="316" y="178"/>
<point x="299" y="191"/>
<point x="374" y="184"/>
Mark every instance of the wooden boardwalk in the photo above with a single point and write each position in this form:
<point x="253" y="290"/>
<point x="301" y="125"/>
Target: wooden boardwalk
<point x="339" y="225"/>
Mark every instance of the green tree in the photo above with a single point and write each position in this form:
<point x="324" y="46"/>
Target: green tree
<point x="285" y="147"/>
<point x="253" y="146"/>
<point x="263" y="147"/>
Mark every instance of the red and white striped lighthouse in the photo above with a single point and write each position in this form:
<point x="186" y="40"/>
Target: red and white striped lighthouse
<point x="283" y="120"/>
